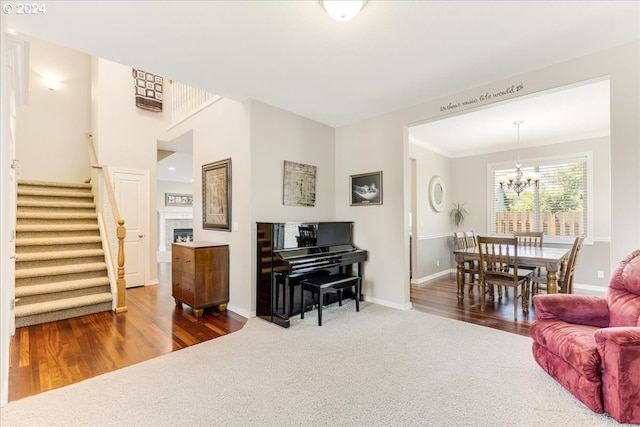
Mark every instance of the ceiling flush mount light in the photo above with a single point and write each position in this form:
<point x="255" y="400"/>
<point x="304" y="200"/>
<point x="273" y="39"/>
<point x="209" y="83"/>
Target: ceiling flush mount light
<point x="342" y="10"/>
<point x="518" y="182"/>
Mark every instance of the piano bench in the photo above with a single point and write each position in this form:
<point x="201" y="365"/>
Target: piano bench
<point x="322" y="285"/>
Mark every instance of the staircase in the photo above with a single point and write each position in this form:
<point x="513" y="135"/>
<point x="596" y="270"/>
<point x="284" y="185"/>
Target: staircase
<point x="60" y="264"/>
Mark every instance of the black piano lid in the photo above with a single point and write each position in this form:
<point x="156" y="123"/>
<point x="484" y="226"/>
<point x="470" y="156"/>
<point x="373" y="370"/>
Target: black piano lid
<point x="294" y="235"/>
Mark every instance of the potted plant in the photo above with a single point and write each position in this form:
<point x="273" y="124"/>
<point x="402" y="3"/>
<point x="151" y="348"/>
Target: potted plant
<point x="457" y="214"/>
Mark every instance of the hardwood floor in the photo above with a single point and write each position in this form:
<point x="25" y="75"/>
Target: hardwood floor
<point x="52" y="355"/>
<point x="439" y="296"/>
<point x="55" y="354"/>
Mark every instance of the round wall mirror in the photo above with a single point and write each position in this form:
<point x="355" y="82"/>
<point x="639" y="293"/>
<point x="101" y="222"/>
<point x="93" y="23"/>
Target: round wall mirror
<point x="437" y="193"/>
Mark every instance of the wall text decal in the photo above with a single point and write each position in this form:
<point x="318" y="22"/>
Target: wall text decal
<point x="483" y="98"/>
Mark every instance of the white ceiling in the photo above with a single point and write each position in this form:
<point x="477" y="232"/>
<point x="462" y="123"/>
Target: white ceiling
<point x="395" y="54"/>
<point x="291" y="55"/>
<point x="178" y="166"/>
<point x="559" y="115"/>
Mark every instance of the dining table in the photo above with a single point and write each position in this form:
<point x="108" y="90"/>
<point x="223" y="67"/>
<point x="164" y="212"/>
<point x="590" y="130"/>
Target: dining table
<point x="553" y="259"/>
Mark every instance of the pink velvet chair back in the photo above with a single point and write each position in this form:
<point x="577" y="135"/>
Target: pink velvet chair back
<point x="623" y="294"/>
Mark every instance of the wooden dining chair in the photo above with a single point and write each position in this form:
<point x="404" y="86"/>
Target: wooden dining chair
<point x="460" y="239"/>
<point x="565" y="280"/>
<point x="470" y="269"/>
<point x="470" y="237"/>
<point x="499" y="267"/>
<point x="529" y="238"/>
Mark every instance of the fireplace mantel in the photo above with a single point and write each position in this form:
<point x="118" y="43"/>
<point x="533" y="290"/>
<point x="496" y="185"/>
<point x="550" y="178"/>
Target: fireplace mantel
<point x="165" y="228"/>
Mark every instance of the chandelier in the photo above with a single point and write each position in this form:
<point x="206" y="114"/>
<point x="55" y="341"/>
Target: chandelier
<point x="519" y="181"/>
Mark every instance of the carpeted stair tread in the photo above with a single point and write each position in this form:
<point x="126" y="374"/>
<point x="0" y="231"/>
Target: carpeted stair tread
<point x="54" y="193"/>
<point x="46" y="228"/>
<point x="41" y="256"/>
<point x="59" y="270"/>
<point x="44" y="241"/>
<point x="63" y="304"/>
<point x="55" y="204"/>
<point x="72" y="285"/>
<point x="36" y="183"/>
<point x="56" y="215"/>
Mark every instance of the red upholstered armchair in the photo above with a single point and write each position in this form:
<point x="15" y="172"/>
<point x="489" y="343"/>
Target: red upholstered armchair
<point x="591" y="345"/>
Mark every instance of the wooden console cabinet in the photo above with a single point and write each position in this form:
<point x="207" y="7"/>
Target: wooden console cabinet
<point x="200" y="275"/>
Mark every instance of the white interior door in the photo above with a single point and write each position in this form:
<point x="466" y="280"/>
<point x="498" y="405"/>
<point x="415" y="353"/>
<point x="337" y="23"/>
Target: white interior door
<point x="14" y="93"/>
<point x="132" y="195"/>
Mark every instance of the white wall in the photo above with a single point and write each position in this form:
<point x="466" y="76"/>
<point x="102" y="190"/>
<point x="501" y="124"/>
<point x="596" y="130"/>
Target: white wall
<point x="173" y="187"/>
<point x="384" y="140"/>
<point x="276" y="136"/>
<point x="126" y="136"/>
<point x="222" y="131"/>
<point x="52" y="127"/>
<point x="378" y="144"/>
<point x="6" y="187"/>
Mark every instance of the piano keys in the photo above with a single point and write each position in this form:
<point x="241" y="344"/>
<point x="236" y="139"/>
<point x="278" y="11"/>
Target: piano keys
<point x="288" y="252"/>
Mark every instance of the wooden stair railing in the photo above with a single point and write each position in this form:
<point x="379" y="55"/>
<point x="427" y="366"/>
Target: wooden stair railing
<point x="121" y="231"/>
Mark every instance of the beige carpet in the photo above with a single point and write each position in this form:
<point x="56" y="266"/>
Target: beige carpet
<point x="378" y="367"/>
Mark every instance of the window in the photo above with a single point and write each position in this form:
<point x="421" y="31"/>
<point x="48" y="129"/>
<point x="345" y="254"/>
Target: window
<point x="559" y="205"/>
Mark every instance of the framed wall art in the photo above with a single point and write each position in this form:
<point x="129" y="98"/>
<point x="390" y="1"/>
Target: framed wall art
<point x="172" y="199"/>
<point x="216" y="195"/>
<point x="366" y="189"/>
<point x="299" y="184"/>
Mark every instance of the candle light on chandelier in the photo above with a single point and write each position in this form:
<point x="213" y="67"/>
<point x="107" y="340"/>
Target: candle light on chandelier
<point x="518" y="181"/>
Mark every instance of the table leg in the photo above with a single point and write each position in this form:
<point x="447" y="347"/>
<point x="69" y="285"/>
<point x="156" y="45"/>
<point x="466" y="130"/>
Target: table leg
<point x="460" y="277"/>
<point x="552" y="282"/>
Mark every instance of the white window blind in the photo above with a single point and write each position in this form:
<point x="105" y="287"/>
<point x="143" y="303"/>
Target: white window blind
<point x="558" y="205"/>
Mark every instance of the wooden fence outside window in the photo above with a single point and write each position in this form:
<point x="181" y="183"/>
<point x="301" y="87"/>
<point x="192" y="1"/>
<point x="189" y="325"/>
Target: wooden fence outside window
<point x="553" y="224"/>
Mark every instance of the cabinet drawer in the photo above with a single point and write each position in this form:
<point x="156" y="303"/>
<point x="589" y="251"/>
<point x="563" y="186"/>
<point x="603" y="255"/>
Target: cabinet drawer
<point x="176" y="284"/>
<point x="188" y="262"/>
<point x="188" y="290"/>
<point x="176" y="290"/>
<point x="177" y="258"/>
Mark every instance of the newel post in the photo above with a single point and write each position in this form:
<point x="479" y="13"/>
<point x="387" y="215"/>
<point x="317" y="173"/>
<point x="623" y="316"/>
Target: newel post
<point x="121" y="233"/>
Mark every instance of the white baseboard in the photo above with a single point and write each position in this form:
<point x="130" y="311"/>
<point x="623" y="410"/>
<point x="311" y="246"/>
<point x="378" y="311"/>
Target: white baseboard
<point x="583" y="289"/>
<point x="390" y="304"/>
<point x="242" y="312"/>
<point x="421" y="280"/>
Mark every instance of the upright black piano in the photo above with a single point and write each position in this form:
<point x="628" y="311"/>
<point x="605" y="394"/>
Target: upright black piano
<point x="288" y="252"/>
